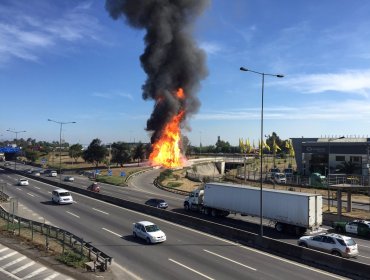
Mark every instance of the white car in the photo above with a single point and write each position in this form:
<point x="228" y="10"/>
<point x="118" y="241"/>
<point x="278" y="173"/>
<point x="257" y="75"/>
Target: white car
<point x="149" y="232"/>
<point x="69" y="179"/>
<point x="61" y="196"/>
<point x="23" y="182"/>
<point x="335" y="244"/>
<point x="53" y="174"/>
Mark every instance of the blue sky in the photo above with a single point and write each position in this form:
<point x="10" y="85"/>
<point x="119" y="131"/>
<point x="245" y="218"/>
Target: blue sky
<point x="69" y="61"/>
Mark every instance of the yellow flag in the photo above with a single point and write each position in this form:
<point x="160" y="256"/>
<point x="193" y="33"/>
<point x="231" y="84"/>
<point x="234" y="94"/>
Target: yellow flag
<point x="275" y="147"/>
<point x="266" y="146"/>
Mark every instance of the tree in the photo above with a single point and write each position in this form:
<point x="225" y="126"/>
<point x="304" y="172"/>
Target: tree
<point x="95" y="153"/>
<point x="121" y="153"/>
<point x="348" y="167"/>
<point x="31" y="155"/>
<point x="139" y="153"/>
<point x="75" y="151"/>
<point x="222" y="146"/>
<point x="186" y="148"/>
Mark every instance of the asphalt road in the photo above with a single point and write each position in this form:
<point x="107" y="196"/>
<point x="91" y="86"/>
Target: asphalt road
<point x="187" y="254"/>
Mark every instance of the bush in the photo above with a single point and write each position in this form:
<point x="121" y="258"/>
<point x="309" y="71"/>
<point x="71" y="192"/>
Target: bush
<point x="174" y="184"/>
<point x="73" y="259"/>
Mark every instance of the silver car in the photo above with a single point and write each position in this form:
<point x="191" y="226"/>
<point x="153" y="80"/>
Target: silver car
<point x="149" y="232"/>
<point x="335" y="244"/>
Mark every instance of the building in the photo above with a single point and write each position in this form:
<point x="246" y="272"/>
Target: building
<point x="327" y="155"/>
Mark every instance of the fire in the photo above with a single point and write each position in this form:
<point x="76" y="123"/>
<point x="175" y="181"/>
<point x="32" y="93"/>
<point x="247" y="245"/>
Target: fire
<point x="166" y="151"/>
<point x="180" y="93"/>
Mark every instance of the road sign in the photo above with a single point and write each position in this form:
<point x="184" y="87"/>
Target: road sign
<point x="123" y="174"/>
<point x="97" y="171"/>
<point x="109" y="172"/>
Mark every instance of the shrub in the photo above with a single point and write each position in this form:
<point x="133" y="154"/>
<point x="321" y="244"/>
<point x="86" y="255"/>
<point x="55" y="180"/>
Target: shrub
<point x="73" y="259"/>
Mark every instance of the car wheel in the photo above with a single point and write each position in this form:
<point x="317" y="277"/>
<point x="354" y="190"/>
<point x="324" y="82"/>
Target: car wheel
<point x="148" y="240"/>
<point x="336" y="253"/>
<point x="134" y="233"/>
<point x="303" y="244"/>
<point x="186" y="206"/>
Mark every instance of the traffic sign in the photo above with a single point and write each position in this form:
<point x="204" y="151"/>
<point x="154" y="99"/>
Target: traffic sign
<point x="123" y="174"/>
<point x="109" y="172"/>
<point x="97" y="171"/>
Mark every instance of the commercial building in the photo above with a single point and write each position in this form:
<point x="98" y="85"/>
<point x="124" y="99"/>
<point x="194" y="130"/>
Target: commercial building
<point x="332" y="155"/>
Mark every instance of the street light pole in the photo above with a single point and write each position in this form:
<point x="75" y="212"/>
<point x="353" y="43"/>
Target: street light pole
<point x="261" y="158"/>
<point x="16" y="140"/>
<point x="60" y="147"/>
<point x="328" y="179"/>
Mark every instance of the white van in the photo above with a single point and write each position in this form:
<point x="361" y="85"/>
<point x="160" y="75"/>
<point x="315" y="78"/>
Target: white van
<point x="61" y="196"/>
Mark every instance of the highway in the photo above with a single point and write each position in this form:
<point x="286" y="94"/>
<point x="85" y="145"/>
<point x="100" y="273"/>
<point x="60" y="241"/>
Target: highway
<point x="187" y="254"/>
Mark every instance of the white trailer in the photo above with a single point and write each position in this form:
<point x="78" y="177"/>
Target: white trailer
<point x="288" y="210"/>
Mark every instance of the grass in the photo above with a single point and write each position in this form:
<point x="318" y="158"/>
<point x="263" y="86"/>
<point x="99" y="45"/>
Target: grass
<point x="72" y="259"/>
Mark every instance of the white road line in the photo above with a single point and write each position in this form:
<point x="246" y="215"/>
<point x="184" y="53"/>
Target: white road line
<point x="52" y="276"/>
<point x="30" y="194"/>
<point x="363" y="246"/>
<point x="119" y="235"/>
<point x="3" y="249"/>
<point x="106" y="213"/>
<point x="8" y="255"/>
<point x="14" y="262"/>
<point x="10" y="274"/>
<point x="37" y="271"/>
<point x="197" y="272"/>
<point x="22" y="267"/>
<point x="70" y="213"/>
<point x="364" y="257"/>
<point x="230" y="260"/>
<point x="18" y="188"/>
<point x="37" y="187"/>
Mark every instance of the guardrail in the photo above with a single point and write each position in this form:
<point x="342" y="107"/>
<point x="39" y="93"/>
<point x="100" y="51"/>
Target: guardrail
<point x="158" y="185"/>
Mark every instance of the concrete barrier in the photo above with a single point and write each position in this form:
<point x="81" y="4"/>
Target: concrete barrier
<point x="345" y="267"/>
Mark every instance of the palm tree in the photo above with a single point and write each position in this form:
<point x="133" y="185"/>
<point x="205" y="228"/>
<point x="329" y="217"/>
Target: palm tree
<point x="348" y="167"/>
<point x="139" y="153"/>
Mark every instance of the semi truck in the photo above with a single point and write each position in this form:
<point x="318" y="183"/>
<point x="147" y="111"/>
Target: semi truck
<point x="289" y="211"/>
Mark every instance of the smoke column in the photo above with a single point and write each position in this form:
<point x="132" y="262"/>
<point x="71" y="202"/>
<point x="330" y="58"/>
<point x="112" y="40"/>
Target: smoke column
<point x="171" y="58"/>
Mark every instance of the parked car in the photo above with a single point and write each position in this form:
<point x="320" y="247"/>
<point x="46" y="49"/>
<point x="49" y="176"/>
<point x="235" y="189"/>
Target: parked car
<point x="37" y="173"/>
<point x="159" y="203"/>
<point x="7" y="164"/>
<point x="358" y="227"/>
<point x="61" y="196"/>
<point x="335" y="244"/>
<point x="94" y="187"/>
<point x="279" y="178"/>
<point x="53" y="173"/>
<point x="23" y="182"/>
<point x="149" y="232"/>
<point x="274" y="170"/>
<point x="69" y="179"/>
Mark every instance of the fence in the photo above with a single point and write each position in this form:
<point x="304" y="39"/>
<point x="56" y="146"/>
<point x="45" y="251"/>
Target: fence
<point x="65" y="238"/>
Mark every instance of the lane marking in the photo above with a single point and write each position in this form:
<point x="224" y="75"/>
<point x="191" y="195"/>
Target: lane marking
<point x="10" y="274"/>
<point x="34" y="273"/>
<point x="191" y="269"/>
<point x="106" y="213"/>
<point x="52" y="276"/>
<point x="230" y="260"/>
<point x="70" y="213"/>
<point x="22" y="267"/>
<point x="4" y="249"/>
<point x="364" y="256"/>
<point x="14" y="262"/>
<point x="119" y="235"/>
<point x="37" y="187"/>
<point x="30" y="194"/>
<point x="363" y="246"/>
<point x="8" y="255"/>
<point x="18" y="188"/>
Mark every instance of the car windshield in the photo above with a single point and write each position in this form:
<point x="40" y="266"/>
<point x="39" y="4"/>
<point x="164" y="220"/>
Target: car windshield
<point x="64" y="194"/>
<point x="151" y="228"/>
<point x="350" y="242"/>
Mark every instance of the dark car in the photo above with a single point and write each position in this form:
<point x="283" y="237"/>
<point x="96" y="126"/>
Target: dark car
<point x="94" y="187"/>
<point x="159" y="203"/>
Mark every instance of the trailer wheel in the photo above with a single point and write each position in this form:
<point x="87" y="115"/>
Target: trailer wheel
<point x="279" y="227"/>
<point x="214" y="213"/>
<point x="186" y="207"/>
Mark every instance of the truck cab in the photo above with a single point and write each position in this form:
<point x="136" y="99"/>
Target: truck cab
<point x="194" y="200"/>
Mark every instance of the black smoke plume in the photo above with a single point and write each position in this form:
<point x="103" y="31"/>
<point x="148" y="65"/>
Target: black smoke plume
<point x="171" y="58"/>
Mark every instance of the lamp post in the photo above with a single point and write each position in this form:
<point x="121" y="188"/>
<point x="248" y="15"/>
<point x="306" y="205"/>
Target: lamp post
<point x="328" y="179"/>
<point x="200" y="142"/>
<point x="60" y="147"/>
<point x="16" y="140"/>
<point x="261" y="166"/>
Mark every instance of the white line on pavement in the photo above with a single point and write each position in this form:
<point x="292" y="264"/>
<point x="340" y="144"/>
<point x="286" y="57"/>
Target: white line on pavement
<point x="8" y="255"/>
<point x="13" y="262"/>
<point x="197" y="272"/>
<point x="22" y="267"/>
<point x="230" y="260"/>
<point x="34" y="273"/>
<point x="30" y="194"/>
<point x="10" y="274"/>
<point x="18" y="188"/>
<point x="364" y="257"/>
<point x="70" y="213"/>
<point x="52" y="276"/>
<point x="119" y="235"/>
<point x="37" y="187"/>
<point x="4" y="249"/>
<point x="101" y="211"/>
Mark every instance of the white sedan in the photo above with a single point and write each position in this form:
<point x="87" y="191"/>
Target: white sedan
<point x="23" y="182"/>
<point x="149" y="232"/>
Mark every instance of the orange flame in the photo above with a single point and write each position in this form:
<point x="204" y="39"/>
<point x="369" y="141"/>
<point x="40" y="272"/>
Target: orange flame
<point x="166" y="150"/>
<point x="180" y="93"/>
